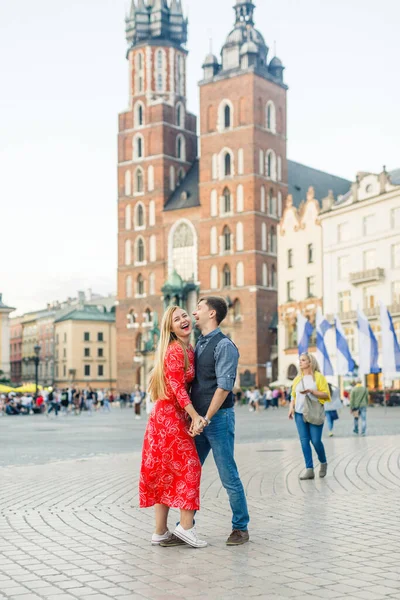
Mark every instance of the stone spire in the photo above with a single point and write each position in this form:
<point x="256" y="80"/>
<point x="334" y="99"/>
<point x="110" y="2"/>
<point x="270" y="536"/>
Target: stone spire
<point x="244" y="10"/>
<point x="154" y="19"/>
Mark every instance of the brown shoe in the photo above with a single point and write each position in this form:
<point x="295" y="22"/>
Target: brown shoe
<point x="173" y="541"/>
<point x="238" y="537"/>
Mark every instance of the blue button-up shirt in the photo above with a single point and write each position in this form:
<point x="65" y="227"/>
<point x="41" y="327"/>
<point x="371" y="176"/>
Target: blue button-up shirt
<point x="226" y="359"/>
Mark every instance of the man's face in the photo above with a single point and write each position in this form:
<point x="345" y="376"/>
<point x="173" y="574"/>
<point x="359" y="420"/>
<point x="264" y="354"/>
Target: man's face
<point x="202" y="315"/>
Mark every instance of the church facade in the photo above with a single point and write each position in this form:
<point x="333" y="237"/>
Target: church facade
<point x="198" y="215"/>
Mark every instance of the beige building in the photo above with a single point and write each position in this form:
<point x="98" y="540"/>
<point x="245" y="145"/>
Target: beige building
<point x="5" y="367"/>
<point x="85" y="348"/>
<point x="299" y="276"/>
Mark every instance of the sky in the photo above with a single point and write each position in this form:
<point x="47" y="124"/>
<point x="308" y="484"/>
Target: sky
<point x="64" y="80"/>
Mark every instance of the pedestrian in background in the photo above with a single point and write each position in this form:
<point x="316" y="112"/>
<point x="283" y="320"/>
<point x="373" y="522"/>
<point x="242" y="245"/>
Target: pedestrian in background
<point x="137" y="401"/>
<point x="358" y="407"/>
<point x="275" y="398"/>
<point x="312" y="383"/>
<point x="332" y="408"/>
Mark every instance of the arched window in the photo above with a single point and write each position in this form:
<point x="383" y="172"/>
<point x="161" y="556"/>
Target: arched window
<point x="237" y="310"/>
<point x="140" y="285"/>
<point x="131" y="318"/>
<point x="240" y="198"/>
<point x="263" y="237"/>
<point x="271" y="165"/>
<point x="265" y="275"/>
<point x="138" y="147"/>
<point x="172" y="178"/>
<point x="240" y="274"/>
<point x="139" y="216"/>
<point x="227" y="165"/>
<point x="271" y="117"/>
<point x="160" y="71"/>
<point x="128" y="287"/>
<point x="227" y="239"/>
<point x="152" y="284"/>
<point x="128" y="183"/>
<point x="139" y="114"/>
<point x="214" y="203"/>
<point x="184" y="253"/>
<point x="180" y="115"/>
<point x="227" y="201"/>
<point x="152" y="213"/>
<point x="274" y="282"/>
<point x="272" y="243"/>
<point x="271" y="203"/>
<point x="140" y="254"/>
<point x="239" y="237"/>
<point x="181" y="176"/>
<point x="139" y="76"/>
<point x="180" y="147"/>
<point x="226" y="276"/>
<point x="150" y="178"/>
<point x="139" y="184"/>
<point x="153" y="248"/>
<point x="279" y="168"/>
<point x="227" y="116"/>
<point x="128" y="253"/>
<point x="262" y="199"/>
<point x="261" y="160"/>
<point x="279" y="204"/>
<point x="128" y="217"/>
<point x="139" y="342"/>
<point x="214" y="277"/>
<point x="213" y="241"/>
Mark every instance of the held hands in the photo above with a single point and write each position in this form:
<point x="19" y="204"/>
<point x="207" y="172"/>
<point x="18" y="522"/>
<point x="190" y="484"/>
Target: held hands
<point x="197" y="426"/>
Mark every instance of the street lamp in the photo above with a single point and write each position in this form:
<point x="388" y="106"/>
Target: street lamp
<point x="36" y="359"/>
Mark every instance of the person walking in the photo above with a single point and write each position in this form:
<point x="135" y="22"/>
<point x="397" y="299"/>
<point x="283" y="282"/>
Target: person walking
<point x="216" y="365"/>
<point x="312" y="383"/>
<point x="170" y="469"/>
<point x="358" y="407"/>
<point x="137" y="402"/>
<point x="332" y="408"/>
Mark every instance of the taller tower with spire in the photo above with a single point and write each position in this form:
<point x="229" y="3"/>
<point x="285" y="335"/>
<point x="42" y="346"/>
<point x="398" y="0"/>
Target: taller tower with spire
<point x="243" y="179"/>
<point x="157" y="147"/>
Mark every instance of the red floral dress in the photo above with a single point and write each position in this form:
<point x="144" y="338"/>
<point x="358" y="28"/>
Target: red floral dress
<point x="171" y="470"/>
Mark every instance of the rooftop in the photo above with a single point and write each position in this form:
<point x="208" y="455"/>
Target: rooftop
<point x="87" y="313"/>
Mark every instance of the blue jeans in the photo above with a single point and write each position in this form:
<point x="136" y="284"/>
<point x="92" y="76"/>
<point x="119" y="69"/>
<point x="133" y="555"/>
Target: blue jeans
<point x="363" y="415"/>
<point x="329" y="419"/>
<point x="219" y="437"/>
<point x="310" y="433"/>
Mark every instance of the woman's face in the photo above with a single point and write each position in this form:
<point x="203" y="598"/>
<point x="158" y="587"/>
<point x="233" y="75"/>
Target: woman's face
<point x="181" y="324"/>
<point x="305" y="362"/>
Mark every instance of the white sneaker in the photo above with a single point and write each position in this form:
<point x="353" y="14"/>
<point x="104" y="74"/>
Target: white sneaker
<point x="157" y="539"/>
<point x="190" y="537"/>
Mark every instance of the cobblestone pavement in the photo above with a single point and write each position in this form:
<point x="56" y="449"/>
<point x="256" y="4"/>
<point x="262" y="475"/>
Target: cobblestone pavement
<point x="71" y="529"/>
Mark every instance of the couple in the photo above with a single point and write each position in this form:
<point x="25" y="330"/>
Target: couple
<point x="183" y="428"/>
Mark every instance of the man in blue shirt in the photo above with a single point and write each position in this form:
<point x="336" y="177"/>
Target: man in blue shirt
<point x="216" y="359"/>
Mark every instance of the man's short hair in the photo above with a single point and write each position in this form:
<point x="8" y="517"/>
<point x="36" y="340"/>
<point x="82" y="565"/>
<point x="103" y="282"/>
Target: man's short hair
<point x="218" y="304"/>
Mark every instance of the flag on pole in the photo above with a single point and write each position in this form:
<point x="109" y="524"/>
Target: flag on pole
<point x="345" y="362"/>
<point x="368" y="346"/>
<point x="390" y="344"/>
<point x="322" y="353"/>
<point x="304" y="332"/>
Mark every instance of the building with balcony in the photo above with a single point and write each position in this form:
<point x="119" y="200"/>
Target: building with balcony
<point x="361" y="254"/>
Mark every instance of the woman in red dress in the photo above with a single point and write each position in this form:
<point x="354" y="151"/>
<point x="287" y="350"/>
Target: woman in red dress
<point x="171" y="470"/>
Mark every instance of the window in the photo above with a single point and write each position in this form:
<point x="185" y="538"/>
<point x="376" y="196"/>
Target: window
<point x="271" y="203"/>
<point x="184" y="256"/>
<point x="237" y="310"/>
<point x="139" y="215"/>
<point x="138" y="147"/>
<point x="271" y="117"/>
<point x="343" y="232"/>
<point x="140" y="285"/>
<point x="273" y="241"/>
<point x="279" y="204"/>
<point x="227" y="165"/>
<point x="274" y="281"/>
<point x="139" y="185"/>
<point x="310" y="287"/>
<point x="139" y="342"/>
<point x="395" y="218"/>
<point x="396" y="256"/>
<point x="180" y="118"/>
<point x="370" y="295"/>
<point x="226" y="234"/>
<point x="226" y="276"/>
<point x="100" y="352"/>
<point x="160" y="71"/>
<point x="100" y="336"/>
<point x="290" y="291"/>
<point x="265" y="275"/>
<point x="240" y="274"/>
<point x="239" y="237"/>
<point x="139" y="73"/>
<point x="214" y="277"/>
<point x="263" y="237"/>
<point x="369" y="259"/>
<point x="261" y="162"/>
<point x="181" y="175"/>
<point x="227" y="116"/>
<point x="139" y="114"/>
<point x="227" y="201"/>
<point x="396" y="292"/>
<point x="310" y="253"/>
<point x="180" y="147"/>
<point x="64" y="370"/>
<point x="147" y="316"/>
<point x="279" y="168"/>
<point x="344" y="301"/>
<point x="140" y="254"/>
<point x="349" y="334"/>
<point x="343" y="267"/>
<point x="100" y="370"/>
<point x="369" y="225"/>
<point x="86" y="336"/>
<point x="64" y="353"/>
<point x="271" y="165"/>
<point x="290" y="259"/>
<point x="128" y="183"/>
<point x="87" y="370"/>
<point x="262" y="199"/>
<point x="150" y="178"/>
<point x="86" y="352"/>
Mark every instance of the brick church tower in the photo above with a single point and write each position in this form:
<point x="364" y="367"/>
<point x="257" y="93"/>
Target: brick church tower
<point x="190" y="226"/>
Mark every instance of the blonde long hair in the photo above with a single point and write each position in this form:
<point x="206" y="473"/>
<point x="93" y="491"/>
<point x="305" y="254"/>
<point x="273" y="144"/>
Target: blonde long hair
<point x="157" y="384"/>
<point x="313" y="362"/>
